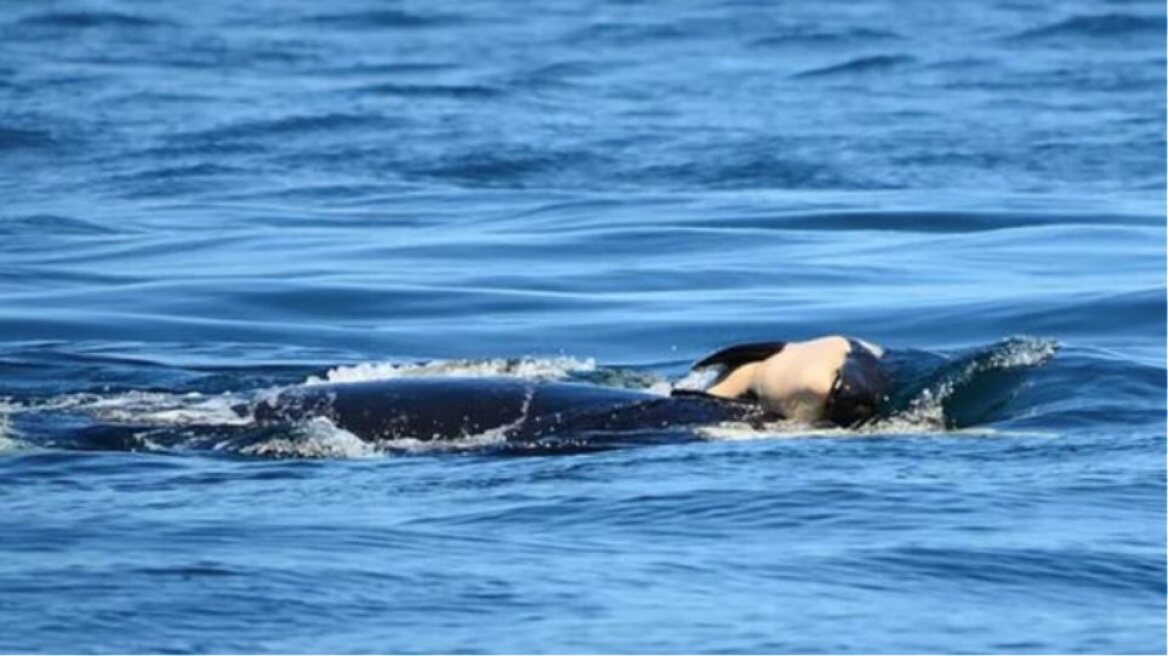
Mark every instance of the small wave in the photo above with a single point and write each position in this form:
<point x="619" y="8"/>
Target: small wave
<point x="21" y="138"/>
<point x="172" y="181"/>
<point x="499" y="167"/>
<point x="859" y="66"/>
<point x="752" y="166"/>
<point x="963" y="393"/>
<point x="1026" y="568"/>
<point x="821" y="37"/>
<point x="1096" y="313"/>
<point x="922" y="221"/>
<point x="455" y="91"/>
<point x="290" y="125"/>
<point x="1097" y="26"/>
<point x="41" y="225"/>
<point x="561" y="74"/>
<point x="159" y="408"/>
<point x="389" y="68"/>
<point x="565" y="70"/>
<point x="384" y="18"/>
<point x="618" y="33"/>
<point x="85" y="19"/>
<point x="741" y="432"/>
<point x="531" y="368"/>
<point x="183" y="172"/>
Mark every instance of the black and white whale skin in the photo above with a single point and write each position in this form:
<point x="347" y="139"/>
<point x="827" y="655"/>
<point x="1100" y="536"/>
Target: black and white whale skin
<point x="833" y="379"/>
<point x="521" y="410"/>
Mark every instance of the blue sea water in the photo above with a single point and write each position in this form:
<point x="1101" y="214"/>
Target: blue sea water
<point x="207" y="202"/>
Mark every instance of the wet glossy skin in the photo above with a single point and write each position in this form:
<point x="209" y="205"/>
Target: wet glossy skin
<point x="795" y="382"/>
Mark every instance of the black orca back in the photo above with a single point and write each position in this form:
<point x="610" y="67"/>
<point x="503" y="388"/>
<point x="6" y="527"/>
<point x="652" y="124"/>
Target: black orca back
<point x="448" y="408"/>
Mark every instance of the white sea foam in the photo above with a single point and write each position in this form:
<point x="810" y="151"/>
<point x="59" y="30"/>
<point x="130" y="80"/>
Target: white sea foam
<point x="416" y="446"/>
<point x="7" y="441"/>
<point x="315" y="438"/>
<point x="697" y="379"/>
<point x="733" y="431"/>
<point x="787" y="429"/>
<point x="739" y="432"/>
<point x="154" y="407"/>
<point x="1021" y="352"/>
<point x="532" y="368"/>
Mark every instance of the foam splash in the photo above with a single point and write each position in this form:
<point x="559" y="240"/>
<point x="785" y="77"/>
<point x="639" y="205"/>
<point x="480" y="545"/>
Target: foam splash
<point x="785" y="429"/>
<point x="697" y="379"/>
<point x="7" y="442"/>
<point x="925" y="413"/>
<point x="739" y="432"/>
<point x="1020" y="352"/>
<point x="415" y="446"/>
<point x="315" y="438"/>
<point x="530" y="368"/>
<point x="182" y="409"/>
<point x="733" y="431"/>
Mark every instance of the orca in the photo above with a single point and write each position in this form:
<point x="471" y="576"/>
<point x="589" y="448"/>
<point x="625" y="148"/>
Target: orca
<point x="833" y="379"/>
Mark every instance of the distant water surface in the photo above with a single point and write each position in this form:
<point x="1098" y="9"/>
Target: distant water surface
<point x="209" y="202"/>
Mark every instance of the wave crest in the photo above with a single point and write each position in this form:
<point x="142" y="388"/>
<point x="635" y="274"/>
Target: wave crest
<point x="556" y="368"/>
<point x="1098" y="26"/>
<point x="859" y="65"/>
<point x="971" y="390"/>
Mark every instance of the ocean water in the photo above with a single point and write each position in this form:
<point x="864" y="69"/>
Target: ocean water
<point x="206" y="203"/>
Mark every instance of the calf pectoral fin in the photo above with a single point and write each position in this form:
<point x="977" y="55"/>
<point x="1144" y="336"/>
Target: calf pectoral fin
<point x="735" y="356"/>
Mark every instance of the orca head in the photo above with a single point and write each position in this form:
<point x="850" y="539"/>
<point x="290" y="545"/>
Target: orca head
<point x="859" y="390"/>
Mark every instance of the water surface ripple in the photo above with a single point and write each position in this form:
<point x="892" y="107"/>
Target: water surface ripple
<point x="207" y="204"/>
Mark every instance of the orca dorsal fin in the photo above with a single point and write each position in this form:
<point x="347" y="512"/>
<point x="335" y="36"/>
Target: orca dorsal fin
<point x="735" y="356"/>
